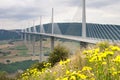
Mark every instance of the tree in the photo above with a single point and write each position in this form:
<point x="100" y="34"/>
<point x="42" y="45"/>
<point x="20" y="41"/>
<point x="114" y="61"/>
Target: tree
<point x="59" y="53"/>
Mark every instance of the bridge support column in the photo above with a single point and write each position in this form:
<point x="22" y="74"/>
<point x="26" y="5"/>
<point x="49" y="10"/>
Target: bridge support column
<point x="52" y="43"/>
<point x="22" y="36"/>
<point x="33" y="44"/>
<point x="83" y="44"/>
<point x="41" y="49"/>
<point x="29" y="38"/>
<point x="25" y="38"/>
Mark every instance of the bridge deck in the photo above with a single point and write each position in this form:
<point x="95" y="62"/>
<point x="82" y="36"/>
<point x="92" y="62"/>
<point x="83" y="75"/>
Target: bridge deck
<point x="75" y="38"/>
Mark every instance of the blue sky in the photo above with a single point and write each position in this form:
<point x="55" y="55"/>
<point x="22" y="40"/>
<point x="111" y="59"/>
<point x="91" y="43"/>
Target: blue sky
<point x="21" y="13"/>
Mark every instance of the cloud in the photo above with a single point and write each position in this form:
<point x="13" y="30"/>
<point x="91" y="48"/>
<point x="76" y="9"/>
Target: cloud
<point x="20" y="12"/>
<point x="101" y="3"/>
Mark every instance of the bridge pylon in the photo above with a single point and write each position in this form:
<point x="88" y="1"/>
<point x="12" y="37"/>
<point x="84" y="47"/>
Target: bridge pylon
<point x="83" y="18"/>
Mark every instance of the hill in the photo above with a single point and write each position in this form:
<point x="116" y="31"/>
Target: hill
<point x="9" y="34"/>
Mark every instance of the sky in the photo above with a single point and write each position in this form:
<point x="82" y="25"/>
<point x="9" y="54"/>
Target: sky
<point x="20" y="14"/>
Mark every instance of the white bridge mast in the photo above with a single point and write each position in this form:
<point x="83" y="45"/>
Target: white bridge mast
<point x="83" y="18"/>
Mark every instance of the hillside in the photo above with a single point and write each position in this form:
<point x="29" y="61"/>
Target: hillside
<point x="9" y="34"/>
<point x="102" y="62"/>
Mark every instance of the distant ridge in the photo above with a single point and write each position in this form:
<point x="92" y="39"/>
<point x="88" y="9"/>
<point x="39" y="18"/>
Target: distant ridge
<point x="9" y="34"/>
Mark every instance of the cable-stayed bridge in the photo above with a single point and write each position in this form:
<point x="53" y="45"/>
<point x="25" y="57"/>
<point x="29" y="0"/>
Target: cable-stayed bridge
<point x="83" y="32"/>
<point x="73" y="31"/>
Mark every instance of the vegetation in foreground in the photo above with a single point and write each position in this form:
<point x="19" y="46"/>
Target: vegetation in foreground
<point x="99" y="63"/>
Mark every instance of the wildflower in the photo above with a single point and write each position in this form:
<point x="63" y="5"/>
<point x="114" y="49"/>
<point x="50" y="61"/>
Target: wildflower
<point x="86" y="68"/>
<point x="117" y="59"/>
<point x="66" y="78"/>
<point x="67" y="72"/>
<point x="104" y="63"/>
<point x="82" y="76"/>
<point x="115" y="48"/>
<point x="54" y="73"/>
<point x="64" y="62"/>
<point x="109" y="52"/>
<point x="92" y="78"/>
<point x="97" y="50"/>
<point x="114" y="73"/>
<point x="72" y="78"/>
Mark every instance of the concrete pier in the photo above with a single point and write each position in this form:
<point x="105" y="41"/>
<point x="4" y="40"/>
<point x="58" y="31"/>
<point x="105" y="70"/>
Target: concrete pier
<point x="41" y="49"/>
<point x="52" y="43"/>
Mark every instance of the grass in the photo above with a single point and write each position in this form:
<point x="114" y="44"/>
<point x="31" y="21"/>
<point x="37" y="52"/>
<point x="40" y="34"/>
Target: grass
<point x="99" y="63"/>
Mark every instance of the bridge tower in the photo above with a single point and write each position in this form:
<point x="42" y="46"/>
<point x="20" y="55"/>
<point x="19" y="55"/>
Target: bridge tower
<point x="83" y="18"/>
<point x="83" y="44"/>
<point x="41" y="29"/>
<point x="41" y="38"/>
<point x="52" y="38"/>
<point x="25" y="36"/>
<point x="52" y="20"/>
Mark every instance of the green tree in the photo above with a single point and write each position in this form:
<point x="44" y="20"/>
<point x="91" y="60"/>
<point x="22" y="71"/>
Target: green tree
<point x="59" y="53"/>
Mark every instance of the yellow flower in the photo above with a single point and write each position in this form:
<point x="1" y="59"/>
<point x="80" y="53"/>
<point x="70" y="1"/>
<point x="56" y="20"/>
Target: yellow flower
<point x="114" y="73"/>
<point x="97" y="50"/>
<point x="64" y="62"/>
<point x="82" y="76"/>
<point x="67" y="72"/>
<point x="115" y="48"/>
<point x="66" y="78"/>
<point x="61" y="62"/>
<point x="54" y="73"/>
<point x="68" y="60"/>
<point x="104" y="63"/>
<point x="86" y="68"/>
<point x="72" y="78"/>
<point x="109" y="52"/>
<point x="117" y="59"/>
<point x="92" y="79"/>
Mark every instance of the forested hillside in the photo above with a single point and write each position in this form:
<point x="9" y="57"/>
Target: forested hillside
<point x="9" y="34"/>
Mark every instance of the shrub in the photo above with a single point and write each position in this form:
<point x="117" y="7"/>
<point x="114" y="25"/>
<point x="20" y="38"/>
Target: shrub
<point x="59" y="53"/>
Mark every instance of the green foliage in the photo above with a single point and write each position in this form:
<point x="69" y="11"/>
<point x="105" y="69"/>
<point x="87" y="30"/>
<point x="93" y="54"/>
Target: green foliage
<point x="13" y="67"/>
<point x="59" y="53"/>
